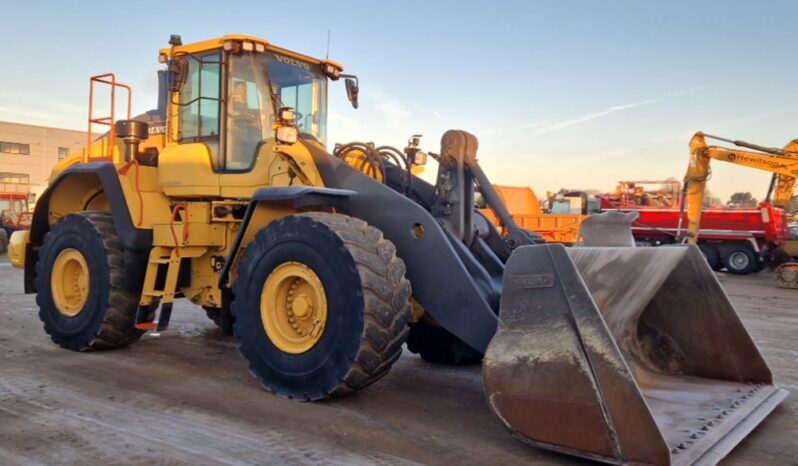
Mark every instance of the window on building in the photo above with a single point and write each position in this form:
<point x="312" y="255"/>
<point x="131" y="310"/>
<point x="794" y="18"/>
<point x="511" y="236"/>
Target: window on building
<point x="63" y="152"/>
<point x="14" y="178"/>
<point x="15" y="148"/>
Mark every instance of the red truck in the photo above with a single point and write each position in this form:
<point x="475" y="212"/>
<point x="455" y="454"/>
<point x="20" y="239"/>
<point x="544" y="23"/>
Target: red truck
<point x="14" y="211"/>
<point x="741" y="240"/>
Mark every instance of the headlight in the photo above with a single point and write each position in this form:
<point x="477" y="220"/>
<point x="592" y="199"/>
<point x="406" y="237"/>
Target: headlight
<point x="286" y="114"/>
<point x="286" y="134"/>
<point x="331" y="71"/>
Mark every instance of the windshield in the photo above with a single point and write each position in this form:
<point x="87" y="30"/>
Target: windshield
<point x="250" y="113"/>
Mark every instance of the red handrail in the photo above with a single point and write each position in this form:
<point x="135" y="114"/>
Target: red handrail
<point x="109" y="79"/>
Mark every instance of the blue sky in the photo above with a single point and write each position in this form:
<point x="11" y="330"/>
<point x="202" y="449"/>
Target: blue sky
<point x="560" y="94"/>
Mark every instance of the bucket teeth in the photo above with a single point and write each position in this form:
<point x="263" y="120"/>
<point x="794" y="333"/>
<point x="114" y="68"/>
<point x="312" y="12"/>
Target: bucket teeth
<point x="630" y="355"/>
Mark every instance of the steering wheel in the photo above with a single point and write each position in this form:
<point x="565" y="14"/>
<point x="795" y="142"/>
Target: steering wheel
<point x="298" y="119"/>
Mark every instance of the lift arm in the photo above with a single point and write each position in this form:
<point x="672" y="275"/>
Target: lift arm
<point x="783" y="163"/>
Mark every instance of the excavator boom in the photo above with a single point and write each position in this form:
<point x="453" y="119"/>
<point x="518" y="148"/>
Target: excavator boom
<point x="783" y="163"/>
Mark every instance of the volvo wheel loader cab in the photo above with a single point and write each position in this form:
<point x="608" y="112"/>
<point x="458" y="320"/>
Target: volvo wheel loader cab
<point x="314" y="260"/>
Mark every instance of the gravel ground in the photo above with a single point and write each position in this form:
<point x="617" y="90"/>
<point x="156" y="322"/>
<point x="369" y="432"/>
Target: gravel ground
<point x="185" y="397"/>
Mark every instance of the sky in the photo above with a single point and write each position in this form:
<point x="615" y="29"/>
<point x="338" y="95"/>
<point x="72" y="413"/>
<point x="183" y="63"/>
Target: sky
<point x="575" y="94"/>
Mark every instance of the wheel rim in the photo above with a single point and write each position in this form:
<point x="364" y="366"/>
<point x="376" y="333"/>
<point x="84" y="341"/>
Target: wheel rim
<point x="69" y="282"/>
<point x="739" y="260"/>
<point x="787" y="273"/>
<point x="293" y="307"/>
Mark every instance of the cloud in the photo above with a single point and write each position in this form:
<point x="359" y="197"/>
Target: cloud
<point x="744" y="120"/>
<point x="44" y="104"/>
<point x="688" y="91"/>
<point x="394" y="112"/>
<point x="40" y="110"/>
<point x="342" y="128"/>
<point x="676" y="136"/>
<point x="540" y="128"/>
<point x="543" y="128"/>
<point x="26" y="113"/>
<point x="608" y="154"/>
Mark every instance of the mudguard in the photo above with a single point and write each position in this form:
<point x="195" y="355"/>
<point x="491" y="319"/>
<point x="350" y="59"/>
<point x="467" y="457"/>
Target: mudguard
<point x="133" y="239"/>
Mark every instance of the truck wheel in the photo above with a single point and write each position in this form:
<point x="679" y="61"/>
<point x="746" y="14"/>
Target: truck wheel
<point x="80" y="280"/>
<point x="437" y="345"/>
<point x="321" y="305"/>
<point x="711" y="255"/>
<point x="740" y="260"/>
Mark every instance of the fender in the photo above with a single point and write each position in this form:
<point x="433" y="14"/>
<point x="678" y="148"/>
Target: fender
<point x="133" y="239"/>
<point x="274" y="203"/>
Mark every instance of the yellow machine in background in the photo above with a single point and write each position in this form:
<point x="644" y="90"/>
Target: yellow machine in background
<point x="559" y="225"/>
<point x="783" y="163"/>
<point x="227" y="196"/>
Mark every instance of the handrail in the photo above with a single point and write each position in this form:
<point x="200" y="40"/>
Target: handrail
<point x="110" y="120"/>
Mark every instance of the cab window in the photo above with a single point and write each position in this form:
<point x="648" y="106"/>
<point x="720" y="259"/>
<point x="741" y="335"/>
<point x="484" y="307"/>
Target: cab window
<point x="259" y="83"/>
<point x="200" y="102"/>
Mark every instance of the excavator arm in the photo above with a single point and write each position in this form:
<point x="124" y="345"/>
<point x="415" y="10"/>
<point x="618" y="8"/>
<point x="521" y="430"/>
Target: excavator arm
<point x="784" y="184"/>
<point x="783" y="163"/>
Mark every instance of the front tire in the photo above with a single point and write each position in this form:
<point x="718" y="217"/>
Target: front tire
<point x="80" y="283"/>
<point x="344" y="274"/>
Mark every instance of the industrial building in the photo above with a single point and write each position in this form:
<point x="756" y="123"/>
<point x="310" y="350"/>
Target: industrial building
<point x="33" y="150"/>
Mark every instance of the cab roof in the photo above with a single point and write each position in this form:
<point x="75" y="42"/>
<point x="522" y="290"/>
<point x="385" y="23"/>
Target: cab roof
<point x="218" y="42"/>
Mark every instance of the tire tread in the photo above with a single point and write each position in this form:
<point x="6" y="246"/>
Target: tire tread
<point x="386" y="298"/>
<point x="117" y="328"/>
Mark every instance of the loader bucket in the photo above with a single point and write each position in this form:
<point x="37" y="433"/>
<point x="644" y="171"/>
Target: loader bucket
<point x="624" y="355"/>
<point x="610" y="228"/>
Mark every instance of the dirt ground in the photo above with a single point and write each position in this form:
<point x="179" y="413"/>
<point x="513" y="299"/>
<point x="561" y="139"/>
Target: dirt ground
<point x="185" y="397"/>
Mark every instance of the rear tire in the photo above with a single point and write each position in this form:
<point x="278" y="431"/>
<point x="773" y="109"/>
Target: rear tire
<point x="438" y="346"/>
<point x="367" y="302"/>
<point x="106" y="317"/>
<point x="740" y="260"/>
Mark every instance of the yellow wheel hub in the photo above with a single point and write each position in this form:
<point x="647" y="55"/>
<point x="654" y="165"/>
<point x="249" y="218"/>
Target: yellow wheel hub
<point x="69" y="282"/>
<point x="293" y="307"/>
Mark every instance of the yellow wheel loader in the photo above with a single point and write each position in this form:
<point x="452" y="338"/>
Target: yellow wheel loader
<point x="325" y="264"/>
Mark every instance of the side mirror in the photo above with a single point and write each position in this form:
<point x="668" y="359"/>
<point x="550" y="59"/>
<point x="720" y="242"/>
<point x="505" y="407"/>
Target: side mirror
<point x="352" y="89"/>
<point x="177" y="72"/>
